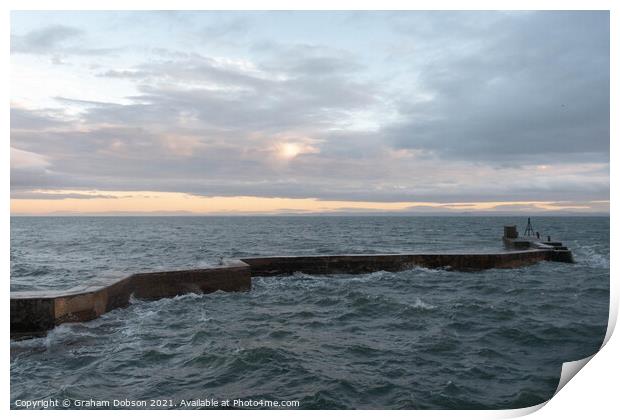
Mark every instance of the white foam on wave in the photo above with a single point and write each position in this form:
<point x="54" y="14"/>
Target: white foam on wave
<point x="426" y="270"/>
<point x="315" y="281"/>
<point x="30" y="343"/>
<point x="374" y="276"/>
<point x="419" y="304"/>
<point x="56" y="336"/>
<point x="588" y="255"/>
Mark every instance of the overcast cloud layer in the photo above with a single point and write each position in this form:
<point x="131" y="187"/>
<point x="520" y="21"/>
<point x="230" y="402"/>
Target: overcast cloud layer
<point x="366" y="106"/>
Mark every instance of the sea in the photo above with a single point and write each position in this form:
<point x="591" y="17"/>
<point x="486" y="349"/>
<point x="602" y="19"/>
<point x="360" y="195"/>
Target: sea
<point x="417" y="339"/>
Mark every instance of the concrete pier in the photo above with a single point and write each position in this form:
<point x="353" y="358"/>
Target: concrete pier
<point x="559" y="252"/>
<point x="357" y="264"/>
<point x="34" y="313"/>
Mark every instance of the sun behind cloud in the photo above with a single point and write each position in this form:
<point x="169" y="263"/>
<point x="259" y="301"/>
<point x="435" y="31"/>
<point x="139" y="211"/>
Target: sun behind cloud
<point x="289" y="150"/>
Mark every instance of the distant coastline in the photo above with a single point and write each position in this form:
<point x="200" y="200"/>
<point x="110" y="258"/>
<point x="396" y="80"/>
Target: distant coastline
<point x="330" y="214"/>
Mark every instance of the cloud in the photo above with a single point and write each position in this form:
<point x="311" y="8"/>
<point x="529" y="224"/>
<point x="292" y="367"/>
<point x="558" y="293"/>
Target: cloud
<point x="36" y="195"/>
<point x="223" y="30"/>
<point x="22" y="159"/>
<point x="308" y="59"/>
<point x="40" y="119"/>
<point x="56" y="40"/>
<point x="240" y="93"/>
<point x="534" y="91"/>
<point x="472" y="107"/>
<point x="45" y="39"/>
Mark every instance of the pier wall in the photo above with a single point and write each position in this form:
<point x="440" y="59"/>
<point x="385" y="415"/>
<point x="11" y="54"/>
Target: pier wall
<point x="34" y="313"/>
<point x="356" y="264"/>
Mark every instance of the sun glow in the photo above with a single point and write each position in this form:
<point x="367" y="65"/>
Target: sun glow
<point x="290" y="150"/>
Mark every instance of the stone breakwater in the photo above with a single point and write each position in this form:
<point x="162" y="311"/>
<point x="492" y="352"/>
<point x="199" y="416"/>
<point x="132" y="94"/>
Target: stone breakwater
<point x="34" y="313"/>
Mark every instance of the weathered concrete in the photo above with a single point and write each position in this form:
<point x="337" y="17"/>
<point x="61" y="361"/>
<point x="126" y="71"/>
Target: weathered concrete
<point x="510" y="232"/>
<point x="355" y="264"/>
<point x="34" y="313"/>
<point x="31" y="316"/>
<point x="230" y="278"/>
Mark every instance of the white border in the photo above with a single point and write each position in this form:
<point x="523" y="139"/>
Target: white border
<point x="591" y="394"/>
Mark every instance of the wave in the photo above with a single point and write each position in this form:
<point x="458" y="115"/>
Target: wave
<point x="590" y="256"/>
<point x="419" y="304"/>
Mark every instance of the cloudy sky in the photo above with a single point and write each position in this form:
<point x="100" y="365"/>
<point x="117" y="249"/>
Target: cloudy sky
<point x="230" y="112"/>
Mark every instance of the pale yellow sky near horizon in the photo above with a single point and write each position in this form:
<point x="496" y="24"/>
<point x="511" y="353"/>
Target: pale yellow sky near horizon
<point x="171" y="202"/>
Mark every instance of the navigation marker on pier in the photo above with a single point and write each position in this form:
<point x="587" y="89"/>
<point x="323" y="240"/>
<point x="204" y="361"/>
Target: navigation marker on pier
<point x="529" y="231"/>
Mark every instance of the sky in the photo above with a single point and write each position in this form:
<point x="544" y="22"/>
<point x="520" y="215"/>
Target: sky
<point x="309" y="112"/>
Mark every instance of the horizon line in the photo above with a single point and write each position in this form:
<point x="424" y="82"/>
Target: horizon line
<point x="317" y="214"/>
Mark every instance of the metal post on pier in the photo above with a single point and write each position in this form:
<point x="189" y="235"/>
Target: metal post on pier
<point x="529" y="231"/>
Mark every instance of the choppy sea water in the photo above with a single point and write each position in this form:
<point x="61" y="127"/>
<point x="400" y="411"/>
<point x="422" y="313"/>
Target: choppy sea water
<point x="415" y="339"/>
